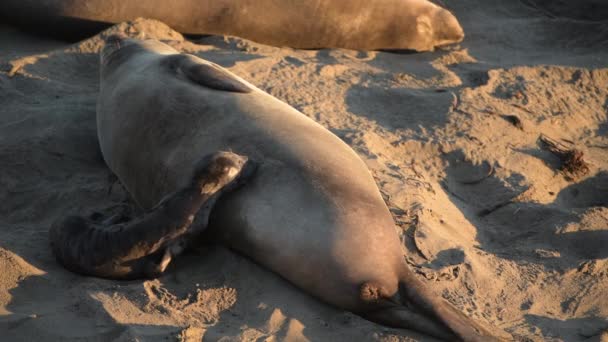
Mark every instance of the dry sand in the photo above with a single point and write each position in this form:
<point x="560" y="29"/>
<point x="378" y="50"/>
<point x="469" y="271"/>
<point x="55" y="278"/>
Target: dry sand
<point x="487" y="219"/>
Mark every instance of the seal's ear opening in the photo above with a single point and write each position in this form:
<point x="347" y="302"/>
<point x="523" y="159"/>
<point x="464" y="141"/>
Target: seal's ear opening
<point x="424" y="34"/>
<point x="424" y="25"/>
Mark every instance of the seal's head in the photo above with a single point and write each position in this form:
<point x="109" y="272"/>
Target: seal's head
<point x="119" y="48"/>
<point x="447" y="29"/>
<point x="434" y="27"/>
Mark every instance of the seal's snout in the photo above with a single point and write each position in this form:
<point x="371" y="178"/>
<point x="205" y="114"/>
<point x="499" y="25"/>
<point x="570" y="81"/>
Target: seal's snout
<point x="448" y="29"/>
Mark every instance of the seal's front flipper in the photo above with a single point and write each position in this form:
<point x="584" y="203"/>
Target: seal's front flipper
<point x="206" y="73"/>
<point x="143" y="247"/>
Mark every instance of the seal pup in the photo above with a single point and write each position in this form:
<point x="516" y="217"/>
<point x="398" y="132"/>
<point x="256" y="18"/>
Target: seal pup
<point x="352" y="24"/>
<point x="144" y="247"/>
<point x="311" y="213"/>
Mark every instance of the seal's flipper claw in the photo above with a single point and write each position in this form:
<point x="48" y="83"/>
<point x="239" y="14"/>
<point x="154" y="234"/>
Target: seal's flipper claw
<point x="155" y="269"/>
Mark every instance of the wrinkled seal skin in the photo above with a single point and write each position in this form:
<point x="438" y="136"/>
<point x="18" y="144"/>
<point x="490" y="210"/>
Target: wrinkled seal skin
<point x="144" y="247"/>
<point x="354" y="24"/>
<point x="312" y="212"/>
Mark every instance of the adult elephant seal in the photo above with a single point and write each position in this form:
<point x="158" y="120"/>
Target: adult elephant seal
<point x="352" y="24"/>
<point x="312" y="211"/>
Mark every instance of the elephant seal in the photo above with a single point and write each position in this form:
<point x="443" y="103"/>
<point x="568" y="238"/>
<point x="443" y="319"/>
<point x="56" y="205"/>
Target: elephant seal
<point x="144" y="247"/>
<point x="311" y="213"/>
<point x="353" y="24"/>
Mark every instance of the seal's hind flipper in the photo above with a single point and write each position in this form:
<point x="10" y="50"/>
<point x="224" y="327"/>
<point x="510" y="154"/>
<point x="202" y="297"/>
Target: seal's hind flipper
<point x="462" y="325"/>
<point x="144" y="247"/>
<point x="404" y="318"/>
<point x="207" y="74"/>
<point x="414" y="294"/>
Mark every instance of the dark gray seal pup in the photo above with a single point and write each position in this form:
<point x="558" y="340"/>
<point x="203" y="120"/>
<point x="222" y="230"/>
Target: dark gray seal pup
<point x="353" y="24"/>
<point x="311" y="213"/>
<point x="144" y="247"/>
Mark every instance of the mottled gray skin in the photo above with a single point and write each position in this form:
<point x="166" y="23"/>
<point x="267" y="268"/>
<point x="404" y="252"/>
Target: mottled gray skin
<point x="312" y="212"/>
<point x="144" y="247"/>
<point x="354" y="24"/>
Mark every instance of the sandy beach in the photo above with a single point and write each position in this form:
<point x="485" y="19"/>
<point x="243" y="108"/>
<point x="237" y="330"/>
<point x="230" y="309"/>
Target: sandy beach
<point x="490" y="218"/>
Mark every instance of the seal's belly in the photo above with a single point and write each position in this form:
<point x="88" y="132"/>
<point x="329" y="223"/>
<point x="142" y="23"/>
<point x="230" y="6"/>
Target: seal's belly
<point x="277" y="215"/>
<point x="285" y="221"/>
<point x="279" y="221"/>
